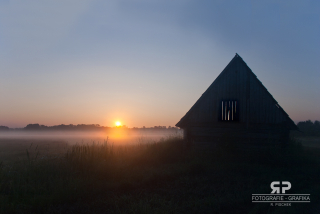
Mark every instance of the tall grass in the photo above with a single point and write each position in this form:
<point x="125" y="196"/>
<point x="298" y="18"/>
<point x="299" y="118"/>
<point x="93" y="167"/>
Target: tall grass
<point x="168" y="176"/>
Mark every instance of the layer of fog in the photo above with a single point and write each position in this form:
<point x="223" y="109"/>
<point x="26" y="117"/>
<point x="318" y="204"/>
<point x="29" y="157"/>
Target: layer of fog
<point x="117" y="136"/>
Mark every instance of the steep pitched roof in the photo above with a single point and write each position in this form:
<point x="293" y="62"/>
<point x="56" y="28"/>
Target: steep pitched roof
<point x="205" y="95"/>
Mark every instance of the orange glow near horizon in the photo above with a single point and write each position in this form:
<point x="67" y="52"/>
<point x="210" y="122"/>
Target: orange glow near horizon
<point x="118" y="123"/>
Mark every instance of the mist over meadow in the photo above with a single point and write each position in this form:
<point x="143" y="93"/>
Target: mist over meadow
<point x="90" y="133"/>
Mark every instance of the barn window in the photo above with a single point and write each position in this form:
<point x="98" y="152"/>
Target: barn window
<point x="229" y="110"/>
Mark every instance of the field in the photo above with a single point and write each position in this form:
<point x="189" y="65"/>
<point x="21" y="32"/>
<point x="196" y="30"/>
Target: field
<point x="309" y="142"/>
<point x="167" y="176"/>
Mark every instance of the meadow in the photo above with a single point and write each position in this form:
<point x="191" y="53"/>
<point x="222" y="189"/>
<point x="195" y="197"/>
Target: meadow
<point x="163" y="176"/>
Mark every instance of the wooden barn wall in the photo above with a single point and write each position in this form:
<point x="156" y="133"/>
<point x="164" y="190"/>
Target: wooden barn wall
<point x="216" y="134"/>
<point x="237" y="82"/>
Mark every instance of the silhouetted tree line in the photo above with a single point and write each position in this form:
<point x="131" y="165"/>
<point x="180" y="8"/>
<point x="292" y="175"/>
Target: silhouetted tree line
<point x="309" y="128"/>
<point x="62" y="127"/>
<point x="79" y="127"/>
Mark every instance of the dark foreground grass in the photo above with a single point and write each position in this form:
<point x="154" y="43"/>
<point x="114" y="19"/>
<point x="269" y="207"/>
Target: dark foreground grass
<point x="164" y="177"/>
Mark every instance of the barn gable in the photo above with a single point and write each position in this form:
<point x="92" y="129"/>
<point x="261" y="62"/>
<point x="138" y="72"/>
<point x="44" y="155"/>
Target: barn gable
<point x="238" y="84"/>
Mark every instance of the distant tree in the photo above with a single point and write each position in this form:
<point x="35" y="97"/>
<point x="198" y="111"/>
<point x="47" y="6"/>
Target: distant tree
<point x="4" y="128"/>
<point x="309" y="128"/>
<point x="35" y="126"/>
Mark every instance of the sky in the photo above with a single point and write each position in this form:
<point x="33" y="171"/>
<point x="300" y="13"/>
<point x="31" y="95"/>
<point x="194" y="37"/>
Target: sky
<point x="146" y="62"/>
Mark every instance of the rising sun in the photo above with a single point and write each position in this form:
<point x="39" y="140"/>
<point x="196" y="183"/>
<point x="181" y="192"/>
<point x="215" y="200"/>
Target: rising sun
<point x="118" y="123"/>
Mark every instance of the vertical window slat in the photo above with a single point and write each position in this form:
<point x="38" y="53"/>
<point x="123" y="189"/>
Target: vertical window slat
<point x="222" y="110"/>
<point x="232" y="110"/>
<point x="225" y="115"/>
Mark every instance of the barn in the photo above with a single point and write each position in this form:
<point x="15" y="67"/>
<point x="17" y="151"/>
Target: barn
<point x="236" y="104"/>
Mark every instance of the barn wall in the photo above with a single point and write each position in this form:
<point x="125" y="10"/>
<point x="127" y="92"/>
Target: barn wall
<point x="239" y="134"/>
<point x="237" y="82"/>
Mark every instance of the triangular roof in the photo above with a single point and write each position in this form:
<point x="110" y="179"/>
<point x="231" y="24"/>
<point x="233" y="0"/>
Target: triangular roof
<point x="233" y="65"/>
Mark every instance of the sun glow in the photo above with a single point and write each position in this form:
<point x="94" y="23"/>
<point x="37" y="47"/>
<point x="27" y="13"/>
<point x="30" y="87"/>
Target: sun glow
<point x="118" y="123"/>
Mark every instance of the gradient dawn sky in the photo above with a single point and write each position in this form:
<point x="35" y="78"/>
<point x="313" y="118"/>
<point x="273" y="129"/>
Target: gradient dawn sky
<point x="146" y="62"/>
